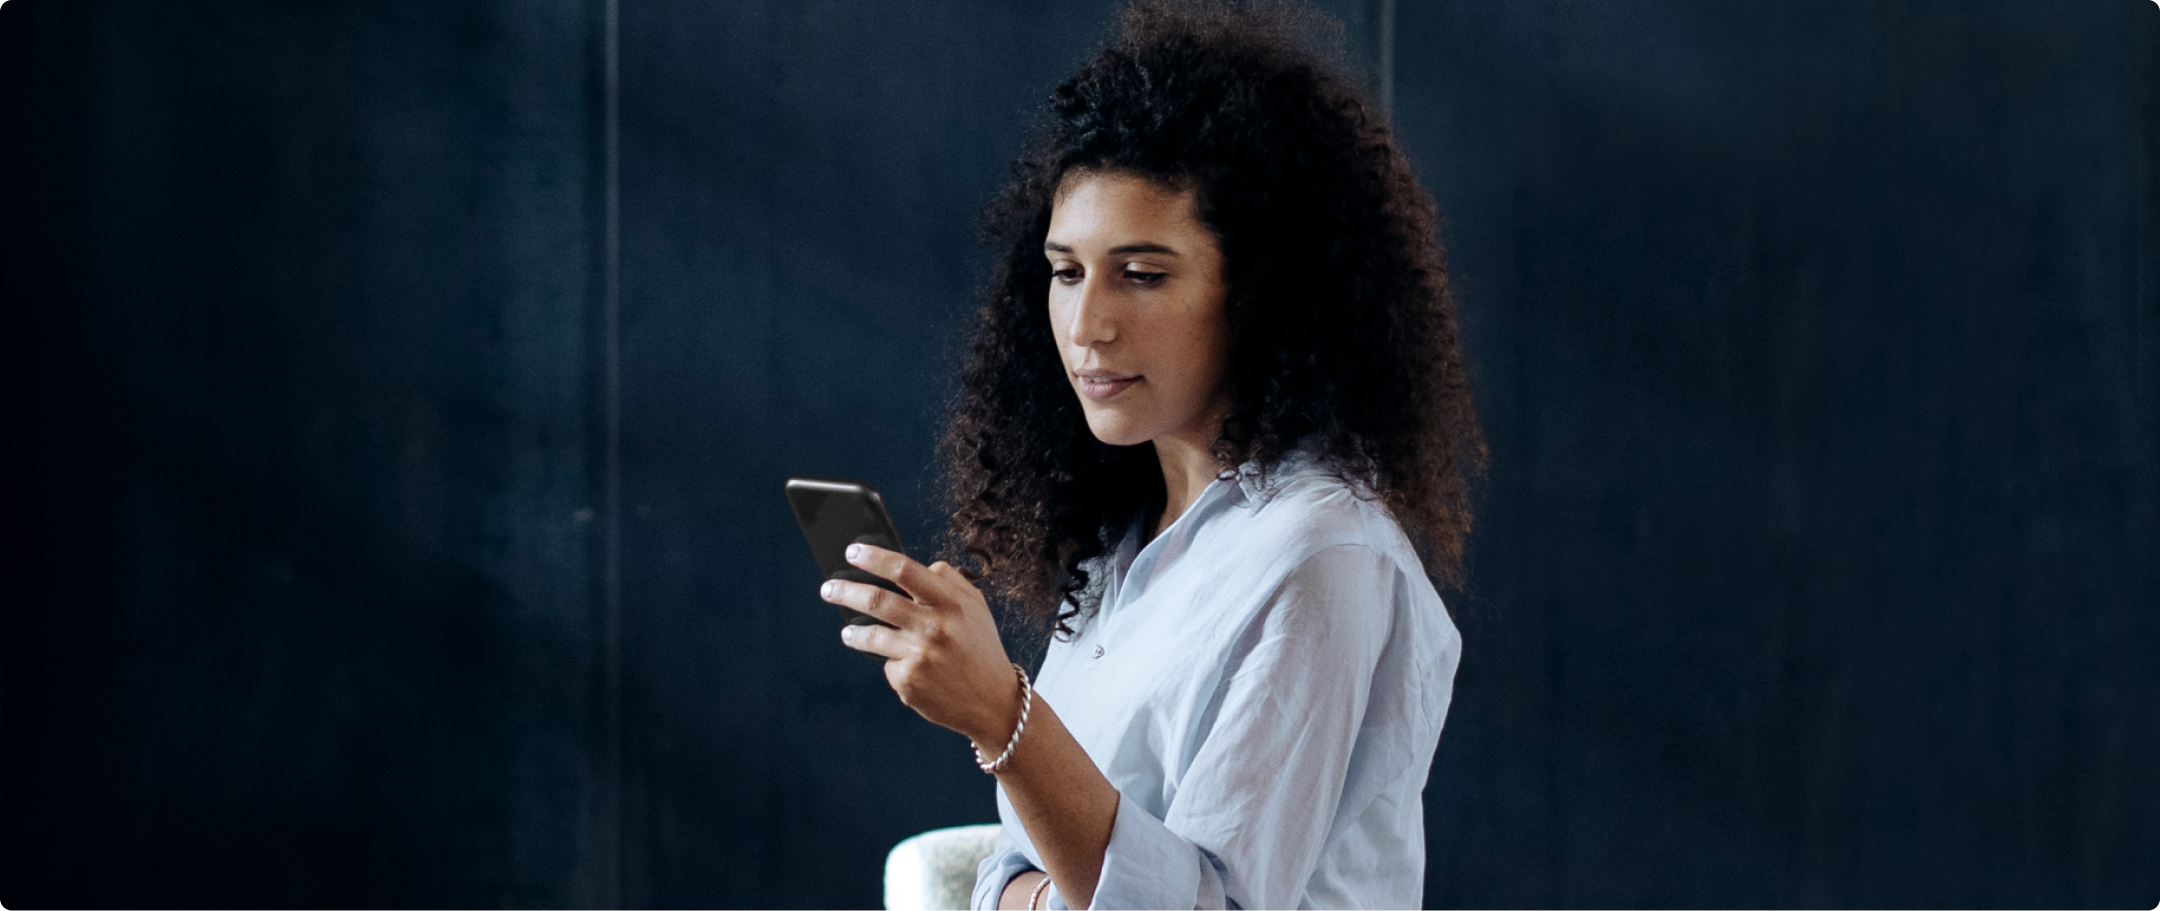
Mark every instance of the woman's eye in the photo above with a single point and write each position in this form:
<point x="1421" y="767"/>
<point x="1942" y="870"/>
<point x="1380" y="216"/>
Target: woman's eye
<point x="1066" y="276"/>
<point x="1147" y="278"/>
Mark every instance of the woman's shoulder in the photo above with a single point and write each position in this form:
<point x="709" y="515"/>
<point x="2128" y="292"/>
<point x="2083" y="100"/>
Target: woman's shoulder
<point x="1308" y="506"/>
<point x="1337" y="560"/>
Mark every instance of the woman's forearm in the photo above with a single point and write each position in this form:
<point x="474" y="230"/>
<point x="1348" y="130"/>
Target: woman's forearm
<point x="1063" y="801"/>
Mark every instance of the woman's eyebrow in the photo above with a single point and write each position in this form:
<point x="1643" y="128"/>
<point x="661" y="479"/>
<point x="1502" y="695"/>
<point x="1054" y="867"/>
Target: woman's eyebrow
<point x="1051" y="246"/>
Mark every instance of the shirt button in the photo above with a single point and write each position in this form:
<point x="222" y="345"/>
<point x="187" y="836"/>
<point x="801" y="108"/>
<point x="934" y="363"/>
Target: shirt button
<point x="1098" y="651"/>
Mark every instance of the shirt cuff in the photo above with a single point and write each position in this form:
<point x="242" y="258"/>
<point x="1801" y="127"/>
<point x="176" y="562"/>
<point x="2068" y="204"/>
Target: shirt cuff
<point x="993" y="873"/>
<point x="1148" y="866"/>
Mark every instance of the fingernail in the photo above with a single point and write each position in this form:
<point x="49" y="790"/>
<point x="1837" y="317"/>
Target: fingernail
<point x="828" y="588"/>
<point x="854" y="551"/>
<point x="847" y="635"/>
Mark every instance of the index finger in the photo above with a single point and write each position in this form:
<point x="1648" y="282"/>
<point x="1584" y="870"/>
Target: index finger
<point x="917" y="580"/>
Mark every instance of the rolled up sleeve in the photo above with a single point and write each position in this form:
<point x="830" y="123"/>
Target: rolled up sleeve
<point x="1147" y="864"/>
<point x="1004" y="863"/>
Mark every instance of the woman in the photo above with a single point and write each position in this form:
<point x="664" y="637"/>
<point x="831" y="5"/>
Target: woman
<point x="1212" y="441"/>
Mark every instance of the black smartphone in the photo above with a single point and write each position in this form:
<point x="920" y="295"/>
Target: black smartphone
<point x="837" y="512"/>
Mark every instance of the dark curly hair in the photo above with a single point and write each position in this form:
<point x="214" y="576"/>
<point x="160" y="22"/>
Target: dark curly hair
<point x="1341" y="324"/>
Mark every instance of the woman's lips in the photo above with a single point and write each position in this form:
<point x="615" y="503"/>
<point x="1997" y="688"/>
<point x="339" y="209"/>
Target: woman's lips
<point x="1100" y="390"/>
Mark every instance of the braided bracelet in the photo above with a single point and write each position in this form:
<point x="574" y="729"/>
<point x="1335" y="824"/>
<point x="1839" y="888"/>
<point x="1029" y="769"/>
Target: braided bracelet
<point x="1027" y="698"/>
<point x="1035" y="897"/>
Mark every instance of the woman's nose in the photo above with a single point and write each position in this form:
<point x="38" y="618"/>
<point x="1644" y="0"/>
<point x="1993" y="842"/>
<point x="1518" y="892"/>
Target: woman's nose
<point x="1089" y="318"/>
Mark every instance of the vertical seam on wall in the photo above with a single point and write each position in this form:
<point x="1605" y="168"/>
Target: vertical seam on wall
<point x="2146" y="283"/>
<point x="1387" y="60"/>
<point x="612" y="867"/>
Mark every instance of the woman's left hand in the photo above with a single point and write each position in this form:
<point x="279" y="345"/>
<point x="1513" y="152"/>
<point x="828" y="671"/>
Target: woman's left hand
<point x="947" y="662"/>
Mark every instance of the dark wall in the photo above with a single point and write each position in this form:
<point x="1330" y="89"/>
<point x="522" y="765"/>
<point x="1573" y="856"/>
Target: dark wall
<point x="299" y="582"/>
<point x="1819" y="345"/>
<point x="375" y="539"/>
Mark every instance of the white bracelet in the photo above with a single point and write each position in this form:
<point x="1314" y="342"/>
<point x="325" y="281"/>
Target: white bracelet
<point x="1037" y="894"/>
<point x="1027" y="698"/>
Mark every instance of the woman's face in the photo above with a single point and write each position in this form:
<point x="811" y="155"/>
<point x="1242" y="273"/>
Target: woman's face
<point x="1137" y="295"/>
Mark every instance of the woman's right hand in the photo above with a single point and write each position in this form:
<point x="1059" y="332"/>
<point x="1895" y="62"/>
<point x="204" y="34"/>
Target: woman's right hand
<point x="948" y="663"/>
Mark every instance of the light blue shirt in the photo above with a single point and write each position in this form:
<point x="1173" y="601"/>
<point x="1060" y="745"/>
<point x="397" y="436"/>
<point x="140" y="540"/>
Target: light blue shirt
<point x="1264" y="685"/>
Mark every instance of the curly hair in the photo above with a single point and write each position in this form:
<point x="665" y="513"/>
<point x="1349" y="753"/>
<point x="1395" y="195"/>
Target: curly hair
<point x="1341" y="324"/>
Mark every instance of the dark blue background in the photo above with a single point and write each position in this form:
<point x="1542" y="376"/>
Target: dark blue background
<point x="398" y="394"/>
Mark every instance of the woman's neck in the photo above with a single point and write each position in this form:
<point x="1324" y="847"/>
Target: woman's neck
<point x="1187" y="468"/>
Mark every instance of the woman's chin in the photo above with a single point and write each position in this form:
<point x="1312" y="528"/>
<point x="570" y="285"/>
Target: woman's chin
<point x="1116" y="433"/>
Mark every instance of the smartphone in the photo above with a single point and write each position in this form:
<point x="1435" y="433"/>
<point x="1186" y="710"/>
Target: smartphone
<point x="837" y="512"/>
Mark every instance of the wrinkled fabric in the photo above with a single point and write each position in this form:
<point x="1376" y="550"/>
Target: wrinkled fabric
<point x="1264" y="684"/>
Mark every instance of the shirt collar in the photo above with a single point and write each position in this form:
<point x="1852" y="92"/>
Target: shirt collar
<point x="1301" y="455"/>
<point x="1244" y="489"/>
